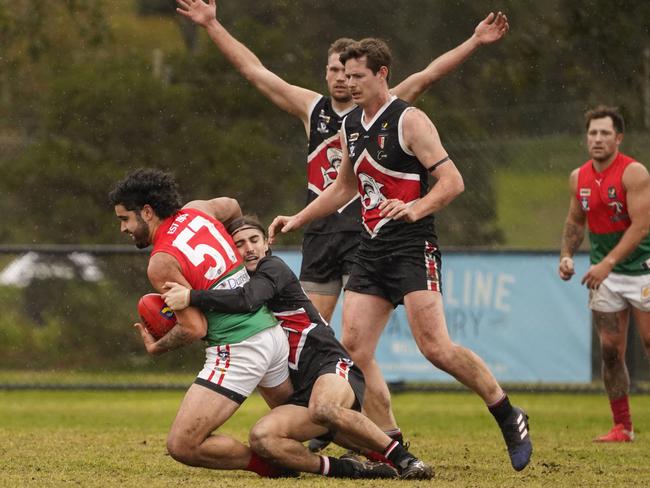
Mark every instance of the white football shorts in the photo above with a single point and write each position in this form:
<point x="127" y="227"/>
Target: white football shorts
<point x="235" y="370"/>
<point x="618" y="291"/>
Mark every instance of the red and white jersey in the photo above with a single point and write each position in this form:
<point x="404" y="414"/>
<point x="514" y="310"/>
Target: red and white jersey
<point x="323" y="161"/>
<point x="384" y="166"/>
<point x="203" y="248"/>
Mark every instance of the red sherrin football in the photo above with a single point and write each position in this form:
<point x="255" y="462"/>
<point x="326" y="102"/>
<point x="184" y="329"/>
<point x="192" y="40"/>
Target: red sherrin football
<point x="157" y="317"/>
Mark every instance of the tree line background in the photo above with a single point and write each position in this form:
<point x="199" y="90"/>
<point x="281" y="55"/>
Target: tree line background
<point x="90" y="90"/>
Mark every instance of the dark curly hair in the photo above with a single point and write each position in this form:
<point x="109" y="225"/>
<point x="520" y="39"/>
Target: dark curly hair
<point x="147" y="186"/>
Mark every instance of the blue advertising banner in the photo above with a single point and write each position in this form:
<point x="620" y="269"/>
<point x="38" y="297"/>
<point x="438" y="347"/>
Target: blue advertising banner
<point x="512" y="309"/>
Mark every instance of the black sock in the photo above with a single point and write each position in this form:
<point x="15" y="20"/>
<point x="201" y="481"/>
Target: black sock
<point x="396" y="435"/>
<point x="501" y="410"/>
<point x="397" y="455"/>
<point x="335" y="467"/>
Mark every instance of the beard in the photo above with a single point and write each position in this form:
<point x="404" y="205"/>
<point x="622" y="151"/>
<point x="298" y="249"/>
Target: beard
<point x="141" y="233"/>
<point x="342" y="99"/>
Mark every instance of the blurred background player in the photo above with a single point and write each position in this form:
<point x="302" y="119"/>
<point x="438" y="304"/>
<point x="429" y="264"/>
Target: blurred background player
<point x="610" y="193"/>
<point x="191" y="246"/>
<point x="329" y="243"/>
<point x="389" y="151"/>
<point x="328" y="386"/>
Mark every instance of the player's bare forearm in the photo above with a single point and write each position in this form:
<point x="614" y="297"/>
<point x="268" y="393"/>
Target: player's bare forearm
<point x="176" y="338"/>
<point x="572" y="238"/>
<point x="630" y="240"/>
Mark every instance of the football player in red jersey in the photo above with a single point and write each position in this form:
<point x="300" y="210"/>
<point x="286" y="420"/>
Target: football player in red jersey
<point x="245" y="350"/>
<point x="389" y="151"/>
<point x="610" y="194"/>
<point x="330" y="242"/>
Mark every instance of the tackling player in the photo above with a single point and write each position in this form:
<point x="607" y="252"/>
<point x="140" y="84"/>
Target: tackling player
<point x="328" y="386"/>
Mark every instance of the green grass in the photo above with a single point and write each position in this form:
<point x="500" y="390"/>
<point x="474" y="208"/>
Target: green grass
<point x="55" y="438"/>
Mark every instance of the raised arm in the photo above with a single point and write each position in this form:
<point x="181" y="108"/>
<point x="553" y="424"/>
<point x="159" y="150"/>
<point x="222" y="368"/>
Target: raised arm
<point x="223" y="209"/>
<point x="574" y="231"/>
<point x="191" y="325"/>
<point x="422" y="139"/>
<point x="290" y="98"/>
<point x="489" y="30"/>
<point x="636" y="182"/>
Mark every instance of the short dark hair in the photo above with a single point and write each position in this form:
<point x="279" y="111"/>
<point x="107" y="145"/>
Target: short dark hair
<point x="375" y="50"/>
<point x="340" y="45"/>
<point x="250" y="221"/>
<point x="147" y="186"/>
<point x="601" y="112"/>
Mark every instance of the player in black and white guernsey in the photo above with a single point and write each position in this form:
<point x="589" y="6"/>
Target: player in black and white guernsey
<point x="329" y="243"/>
<point x="388" y="149"/>
<point x="328" y="386"/>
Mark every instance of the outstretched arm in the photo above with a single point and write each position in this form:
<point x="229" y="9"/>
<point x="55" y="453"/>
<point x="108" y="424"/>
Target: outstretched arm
<point x="290" y="98"/>
<point x="489" y="30"/>
<point x="329" y="201"/>
<point x="573" y="232"/>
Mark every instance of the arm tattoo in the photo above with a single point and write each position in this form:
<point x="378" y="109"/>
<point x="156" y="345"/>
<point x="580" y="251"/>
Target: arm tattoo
<point x="175" y="338"/>
<point x="571" y="238"/>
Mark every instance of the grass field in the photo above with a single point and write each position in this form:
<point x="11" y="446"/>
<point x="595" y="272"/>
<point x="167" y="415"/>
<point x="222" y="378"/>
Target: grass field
<point x="117" y="438"/>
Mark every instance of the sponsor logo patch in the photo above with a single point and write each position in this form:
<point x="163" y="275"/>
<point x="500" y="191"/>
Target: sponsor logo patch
<point x="585" y="192"/>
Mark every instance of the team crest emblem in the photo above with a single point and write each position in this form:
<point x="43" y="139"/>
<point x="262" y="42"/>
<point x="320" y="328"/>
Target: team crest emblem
<point x="611" y="192"/>
<point x="322" y="127"/>
<point x="617" y="206"/>
<point x="372" y="195"/>
<point x="584" y="203"/>
<point x="381" y="140"/>
<point x="224" y="354"/>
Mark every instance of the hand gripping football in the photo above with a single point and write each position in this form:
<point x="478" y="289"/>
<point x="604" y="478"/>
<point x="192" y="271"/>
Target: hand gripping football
<point x="157" y="317"/>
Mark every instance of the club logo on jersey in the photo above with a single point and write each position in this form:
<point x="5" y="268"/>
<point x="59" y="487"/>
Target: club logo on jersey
<point x="611" y="193"/>
<point x="334" y="156"/>
<point x="381" y="140"/>
<point x="224" y="354"/>
<point x="616" y="206"/>
<point x="585" y="192"/>
<point x="372" y="195"/>
<point x="352" y="149"/>
<point x="584" y="203"/>
<point x="322" y="127"/>
<point x="384" y="125"/>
